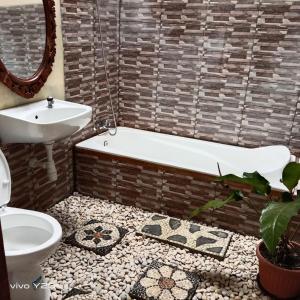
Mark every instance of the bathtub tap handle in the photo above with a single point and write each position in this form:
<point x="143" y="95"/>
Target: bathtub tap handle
<point x="103" y="125"/>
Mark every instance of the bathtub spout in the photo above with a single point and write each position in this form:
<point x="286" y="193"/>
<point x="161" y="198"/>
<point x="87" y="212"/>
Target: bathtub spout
<point x="102" y="125"/>
<point x="105" y="125"/>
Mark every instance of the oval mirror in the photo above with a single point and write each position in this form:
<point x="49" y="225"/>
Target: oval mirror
<point x="27" y="44"/>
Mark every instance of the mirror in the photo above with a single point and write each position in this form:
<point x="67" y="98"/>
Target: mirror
<point x="22" y="36"/>
<point x="27" y="44"/>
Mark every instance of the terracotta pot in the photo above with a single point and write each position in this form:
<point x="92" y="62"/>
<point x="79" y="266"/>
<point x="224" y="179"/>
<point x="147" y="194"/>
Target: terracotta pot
<point x="279" y="282"/>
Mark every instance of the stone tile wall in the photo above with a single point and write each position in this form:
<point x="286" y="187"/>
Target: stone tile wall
<point x="22" y="38"/>
<point x="220" y="70"/>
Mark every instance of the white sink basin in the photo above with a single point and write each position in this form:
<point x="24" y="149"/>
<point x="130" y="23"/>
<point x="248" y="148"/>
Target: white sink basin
<point x="36" y="123"/>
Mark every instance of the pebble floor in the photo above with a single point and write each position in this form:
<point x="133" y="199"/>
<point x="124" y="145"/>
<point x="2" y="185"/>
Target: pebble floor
<point x="111" y="277"/>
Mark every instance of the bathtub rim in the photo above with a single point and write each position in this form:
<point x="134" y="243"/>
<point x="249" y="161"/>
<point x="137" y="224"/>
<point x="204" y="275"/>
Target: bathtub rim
<point x="84" y="144"/>
<point x="160" y="162"/>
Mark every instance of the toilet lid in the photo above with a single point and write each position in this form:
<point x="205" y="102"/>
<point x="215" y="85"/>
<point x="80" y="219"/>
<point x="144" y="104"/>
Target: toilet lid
<point x="5" y="180"/>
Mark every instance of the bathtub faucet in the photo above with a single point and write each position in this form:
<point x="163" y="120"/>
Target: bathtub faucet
<point x="103" y="125"/>
<point x="106" y="126"/>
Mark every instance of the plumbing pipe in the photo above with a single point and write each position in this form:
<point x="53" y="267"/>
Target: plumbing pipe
<point x="49" y="164"/>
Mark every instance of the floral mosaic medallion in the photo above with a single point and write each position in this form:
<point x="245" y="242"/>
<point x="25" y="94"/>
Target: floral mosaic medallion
<point x="164" y="282"/>
<point x="97" y="236"/>
<point x="199" y="238"/>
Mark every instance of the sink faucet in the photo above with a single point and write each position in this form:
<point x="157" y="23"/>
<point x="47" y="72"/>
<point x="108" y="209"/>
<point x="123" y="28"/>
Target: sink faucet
<point x="50" y="102"/>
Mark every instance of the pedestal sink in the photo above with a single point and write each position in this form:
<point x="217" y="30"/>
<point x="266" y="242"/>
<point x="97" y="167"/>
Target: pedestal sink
<point x="36" y="123"/>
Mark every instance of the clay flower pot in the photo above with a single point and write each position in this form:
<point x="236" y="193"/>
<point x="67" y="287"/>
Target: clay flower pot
<point x="279" y="282"/>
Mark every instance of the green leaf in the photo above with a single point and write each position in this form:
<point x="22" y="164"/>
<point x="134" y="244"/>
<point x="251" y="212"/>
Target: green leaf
<point x="274" y="221"/>
<point x="259" y="184"/>
<point x="291" y="175"/>
<point x="286" y="197"/>
<point x="235" y="195"/>
<point x="216" y="203"/>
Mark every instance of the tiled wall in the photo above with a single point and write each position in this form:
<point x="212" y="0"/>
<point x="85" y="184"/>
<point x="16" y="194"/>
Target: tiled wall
<point x="218" y="70"/>
<point x="84" y="65"/>
<point x="30" y="188"/>
<point x="84" y="83"/>
<point x="22" y="38"/>
<point x="221" y="70"/>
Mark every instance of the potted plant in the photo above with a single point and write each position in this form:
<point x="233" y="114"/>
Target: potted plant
<point x="277" y="253"/>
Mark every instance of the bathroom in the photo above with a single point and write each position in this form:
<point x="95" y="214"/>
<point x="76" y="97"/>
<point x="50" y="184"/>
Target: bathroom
<point x="120" y="120"/>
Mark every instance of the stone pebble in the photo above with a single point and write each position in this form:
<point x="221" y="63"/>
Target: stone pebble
<point x="112" y="276"/>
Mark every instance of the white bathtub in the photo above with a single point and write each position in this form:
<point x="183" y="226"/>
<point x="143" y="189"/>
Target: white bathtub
<point x="191" y="154"/>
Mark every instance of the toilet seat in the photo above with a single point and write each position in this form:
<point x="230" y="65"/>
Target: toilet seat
<point x="26" y="231"/>
<point x="29" y="238"/>
<point x="5" y="181"/>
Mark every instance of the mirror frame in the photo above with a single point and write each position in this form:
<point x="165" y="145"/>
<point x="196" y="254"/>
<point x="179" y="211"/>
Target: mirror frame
<point x="27" y="88"/>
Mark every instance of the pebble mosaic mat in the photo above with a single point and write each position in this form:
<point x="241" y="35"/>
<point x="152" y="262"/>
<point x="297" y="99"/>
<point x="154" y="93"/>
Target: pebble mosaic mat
<point x="199" y="238"/>
<point x="97" y="236"/>
<point x="164" y="282"/>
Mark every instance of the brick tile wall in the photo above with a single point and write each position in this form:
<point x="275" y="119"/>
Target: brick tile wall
<point x="221" y="70"/>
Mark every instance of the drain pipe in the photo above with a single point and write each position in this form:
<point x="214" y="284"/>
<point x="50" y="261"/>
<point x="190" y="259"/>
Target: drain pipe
<point x="49" y="165"/>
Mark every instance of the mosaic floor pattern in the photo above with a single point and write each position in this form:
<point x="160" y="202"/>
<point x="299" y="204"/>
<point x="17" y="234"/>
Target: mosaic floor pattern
<point x="71" y="270"/>
<point x="164" y="282"/>
<point x="195" y="237"/>
<point x="97" y="236"/>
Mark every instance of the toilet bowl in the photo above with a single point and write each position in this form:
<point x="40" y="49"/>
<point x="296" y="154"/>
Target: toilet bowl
<point x="29" y="238"/>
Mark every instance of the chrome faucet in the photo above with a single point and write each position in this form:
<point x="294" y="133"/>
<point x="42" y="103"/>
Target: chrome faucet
<point x="50" y="102"/>
<point x="103" y="125"/>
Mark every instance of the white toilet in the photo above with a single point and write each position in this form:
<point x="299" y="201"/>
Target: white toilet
<point x="29" y="238"/>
